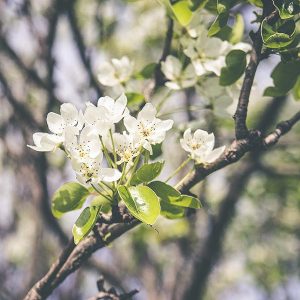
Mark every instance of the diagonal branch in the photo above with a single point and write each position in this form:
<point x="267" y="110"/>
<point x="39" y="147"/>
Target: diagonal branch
<point x="87" y="247"/>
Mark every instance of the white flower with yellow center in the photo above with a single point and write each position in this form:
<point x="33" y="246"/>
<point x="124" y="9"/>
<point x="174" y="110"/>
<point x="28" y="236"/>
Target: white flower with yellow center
<point x="200" y="145"/>
<point x="83" y="147"/>
<point x="208" y="53"/>
<point x="107" y="113"/>
<point x="115" y="73"/>
<point x="147" y="128"/>
<point x="178" y="77"/>
<point x="127" y="147"/>
<point x="69" y="117"/>
<point x="90" y="171"/>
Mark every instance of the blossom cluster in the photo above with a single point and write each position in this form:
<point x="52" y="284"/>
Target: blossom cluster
<point x="88" y="136"/>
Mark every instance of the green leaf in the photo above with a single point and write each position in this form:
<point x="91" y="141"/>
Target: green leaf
<point x="284" y="75"/>
<point x="85" y="223"/>
<point x="287" y="8"/>
<point x="235" y="67"/>
<point x="237" y="30"/>
<point x="135" y="99"/>
<point x="183" y="12"/>
<point x="156" y="151"/>
<point x="68" y="197"/>
<point x="257" y="3"/>
<point x="168" y="194"/>
<point x="148" y="71"/>
<point x="171" y="211"/>
<point x="218" y="24"/>
<point x="102" y="202"/>
<point x="147" y="173"/>
<point x="279" y="35"/>
<point x="142" y="203"/>
<point x="296" y="90"/>
<point x="187" y="201"/>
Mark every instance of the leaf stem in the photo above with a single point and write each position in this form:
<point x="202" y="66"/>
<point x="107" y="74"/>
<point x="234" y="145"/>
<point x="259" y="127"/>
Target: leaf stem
<point x="105" y="196"/>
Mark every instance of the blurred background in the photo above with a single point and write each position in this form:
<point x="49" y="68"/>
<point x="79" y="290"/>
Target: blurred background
<point x="50" y="52"/>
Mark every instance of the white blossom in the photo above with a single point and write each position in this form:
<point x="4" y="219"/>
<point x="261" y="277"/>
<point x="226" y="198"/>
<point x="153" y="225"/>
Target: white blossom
<point x="107" y="113"/>
<point x="115" y="73"/>
<point x="218" y="97"/>
<point x="200" y="146"/>
<point x="149" y="129"/>
<point x="127" y="146"/>
<point x="90" y="171"/>
<point x="44" y="142"/>
<point x="178" y="77"/>
<point x="69" y="117"/>
<point x="83" y="147"/>
<point x="208" y="53"/>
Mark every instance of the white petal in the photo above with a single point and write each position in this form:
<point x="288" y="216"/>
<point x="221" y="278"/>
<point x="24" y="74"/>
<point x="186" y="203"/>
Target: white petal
<point x="215" y="154"/>
<point x="69" y="113"/>
<point x="110" y="175"/>
<point x="148" y="113"/>
<point x="199" y="67"/>
<point x="201" y="135"/>
<point x="56" y="123"/>
<point x="210" y="142"/>
<point x="147" y="146"/>
<point x="184" y="145"/>
<point x="171" y="67"/>
<point x="107" y="102"/>
<point x="215" y="66"/>
<point x="173" y="85"/>
<point x="187" y="134"/>
<point x="130" y="123"/>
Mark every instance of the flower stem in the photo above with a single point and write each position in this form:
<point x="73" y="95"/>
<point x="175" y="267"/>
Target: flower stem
<point x="178" y="169"/>
<point x="107" y="185"/>
<point x="132" y="169"/>
<point x="105" y="196"/>
<point x="178" y="184"/>
<point x="109" y="160"/>
<point x="113" y="146"/>
<point x="123" y="172"/>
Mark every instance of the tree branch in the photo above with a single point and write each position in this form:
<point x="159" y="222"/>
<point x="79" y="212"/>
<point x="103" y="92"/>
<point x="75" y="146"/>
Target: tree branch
<point x="158" y="75"/>
<point x="240" y="116"/>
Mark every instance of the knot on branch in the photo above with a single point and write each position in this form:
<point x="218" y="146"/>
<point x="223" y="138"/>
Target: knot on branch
<point x="239" y="147"/>
<point x="111" y="293"/>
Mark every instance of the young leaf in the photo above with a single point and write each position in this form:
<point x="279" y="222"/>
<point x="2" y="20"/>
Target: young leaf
<point x="142" y="203"/>
<point x="147" y="173"/>
<point x="102" y="202"/>
<point x="235" y="67"/>
<point x="218" y="24"/>
<point x="135" y="99"/>
<point x="279" y="35"/>
<point x="183" y="12"/>
<point x="287" y="8"/>
<point x="148" y="70"/>
<point x="284" y="75"/>
<point x="171" y="211"/>
<point x="85" y="223"/>
<point x="296" y="90"/>
<point x="68" y="197"/>
<point x="168" y="194"/>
